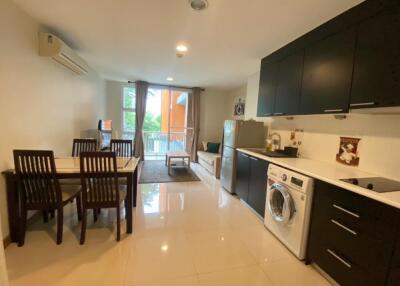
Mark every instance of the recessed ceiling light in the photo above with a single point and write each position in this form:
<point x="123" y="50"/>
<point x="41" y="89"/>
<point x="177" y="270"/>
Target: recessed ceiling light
<point x="198" y="5"/>
<point x="182" y="48"/>
<point x="170" y="78"/>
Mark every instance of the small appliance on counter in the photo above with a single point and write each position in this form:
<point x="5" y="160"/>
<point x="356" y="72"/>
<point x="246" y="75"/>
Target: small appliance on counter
<point x="238" y="134"/>
<point x="375" y="184"/>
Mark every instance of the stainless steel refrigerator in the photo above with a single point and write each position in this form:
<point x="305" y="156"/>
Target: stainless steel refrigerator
<point x="238" y="134"/>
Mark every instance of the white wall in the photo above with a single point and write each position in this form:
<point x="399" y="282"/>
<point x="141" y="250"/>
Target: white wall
<point x="233" y="96"/>
<point x="42" y="105"/>
<point x="214" y="106"/>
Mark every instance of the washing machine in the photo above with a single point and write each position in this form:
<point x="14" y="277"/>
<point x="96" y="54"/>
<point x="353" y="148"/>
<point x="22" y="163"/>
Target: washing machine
<point x="288" y="207"/>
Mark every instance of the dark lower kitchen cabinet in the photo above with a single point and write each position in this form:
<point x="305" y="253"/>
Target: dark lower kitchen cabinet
<point x="394" y="276"/>
<point x="242" y="176"/>
<point x="288" y="84"/>
<point x="258" y="185"/>
<point x="267" y="89"/>
<point x="327" y="75"/>
<point x="251" y="181"/>
<point x="376" y="81"/>
<point x="352" y="237"/>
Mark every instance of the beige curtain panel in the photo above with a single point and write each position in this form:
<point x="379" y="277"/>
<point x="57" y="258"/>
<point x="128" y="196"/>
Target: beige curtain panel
<point x="141" y="98"/>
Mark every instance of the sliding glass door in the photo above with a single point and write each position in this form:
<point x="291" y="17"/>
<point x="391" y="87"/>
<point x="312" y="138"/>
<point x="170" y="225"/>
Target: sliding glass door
<point x="165" y="124"/>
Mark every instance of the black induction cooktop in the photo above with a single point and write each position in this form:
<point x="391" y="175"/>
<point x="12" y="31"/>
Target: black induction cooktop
<point x="376" y="184"/>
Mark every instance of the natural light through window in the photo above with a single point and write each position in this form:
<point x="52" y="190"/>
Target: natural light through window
<point x="128" y="112"/>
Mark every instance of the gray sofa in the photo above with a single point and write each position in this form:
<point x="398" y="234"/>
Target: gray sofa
<point x="210" y="161"/>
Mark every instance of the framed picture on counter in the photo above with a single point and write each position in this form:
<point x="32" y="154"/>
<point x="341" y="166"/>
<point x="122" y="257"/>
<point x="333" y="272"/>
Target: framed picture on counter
<point x="348" y="151"/>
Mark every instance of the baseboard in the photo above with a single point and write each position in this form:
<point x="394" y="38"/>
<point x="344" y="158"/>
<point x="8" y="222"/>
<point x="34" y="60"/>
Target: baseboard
<point x="6" y="241"/>
<point x="34" y="217"/>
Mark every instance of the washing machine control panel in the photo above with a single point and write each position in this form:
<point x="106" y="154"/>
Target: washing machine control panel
<point x="289" y="178"/>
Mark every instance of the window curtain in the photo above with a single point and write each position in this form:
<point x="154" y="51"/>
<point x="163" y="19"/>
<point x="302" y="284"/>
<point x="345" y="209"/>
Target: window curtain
<point x="194" y="122"/>
<point x="141" y="99"/>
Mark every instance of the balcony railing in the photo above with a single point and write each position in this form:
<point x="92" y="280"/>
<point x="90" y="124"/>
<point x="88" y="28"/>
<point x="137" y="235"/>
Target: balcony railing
<point x="158" y="143"/>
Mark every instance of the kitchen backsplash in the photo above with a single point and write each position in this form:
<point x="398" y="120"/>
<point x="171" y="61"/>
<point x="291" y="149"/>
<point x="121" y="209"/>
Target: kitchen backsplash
<point x="379" y="148"/>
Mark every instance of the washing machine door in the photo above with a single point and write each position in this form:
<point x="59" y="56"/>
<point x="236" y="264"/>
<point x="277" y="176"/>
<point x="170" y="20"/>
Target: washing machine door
<point x="280" y="204"/>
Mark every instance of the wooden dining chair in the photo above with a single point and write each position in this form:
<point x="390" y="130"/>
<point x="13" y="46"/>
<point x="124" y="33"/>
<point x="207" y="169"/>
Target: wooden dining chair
<point x="40" y="188"/>
<point x="83" y="145"/>
<point x="100" y="185"/>
<point x="78" y="146"/>
<point x="122" y="147"/>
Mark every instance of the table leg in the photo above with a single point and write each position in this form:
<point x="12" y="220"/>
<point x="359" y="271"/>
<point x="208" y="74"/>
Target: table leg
<point x="135" y="184"/>
<point x="189" y="163"/>
<point x="129" y="205"/>
<point x="169" y="165"/>
<point x="166" y="158"/>
<point x="14" y="210"/>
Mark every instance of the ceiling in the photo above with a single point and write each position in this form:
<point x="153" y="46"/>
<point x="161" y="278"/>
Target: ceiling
<point x="136" y="39"/>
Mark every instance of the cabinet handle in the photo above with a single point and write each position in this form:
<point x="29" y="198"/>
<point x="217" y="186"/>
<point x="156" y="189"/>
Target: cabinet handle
<point x="346" y="211"/>
<point x="333" y="110"/>
<point x="331" y="252"/>
<point x="244" y="155"/>
<point x="343" y="227"/>
<point x="267" y="114"/>
<point x="362" y="104"/>
<point x="279" y="113"/>
<point x="252" y="158"/>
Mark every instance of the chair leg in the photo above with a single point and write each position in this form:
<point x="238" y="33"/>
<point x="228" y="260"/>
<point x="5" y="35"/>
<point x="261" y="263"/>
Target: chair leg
<point x="45" y="214"/>
<point x="94" y="215"/>
<point x="60" y="224"/>
<point x="118" y="224"/>
<point x="52" y="213"/>
<point x="126" y="207"/>
<point x="79" y="207"/>
<point x="83" y="230"/>
<point x="22" y="227"/>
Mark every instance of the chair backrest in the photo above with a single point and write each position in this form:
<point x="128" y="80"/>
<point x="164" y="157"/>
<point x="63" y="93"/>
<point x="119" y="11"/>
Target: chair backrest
<point x="121" y="147"/>
<point x="83" y="145"/>
<point x="99" y="178"/>
<point x="36" y="172"/>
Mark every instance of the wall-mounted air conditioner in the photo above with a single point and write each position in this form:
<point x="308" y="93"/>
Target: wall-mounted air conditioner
<point x="52" y="46"/>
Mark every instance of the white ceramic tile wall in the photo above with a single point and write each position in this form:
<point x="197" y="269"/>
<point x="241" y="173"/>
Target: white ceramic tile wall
<point x="379" y="146"/>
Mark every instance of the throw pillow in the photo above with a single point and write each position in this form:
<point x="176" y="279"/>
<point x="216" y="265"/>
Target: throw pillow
<point x="213" y="147"/>
<point x="204" y="145"/>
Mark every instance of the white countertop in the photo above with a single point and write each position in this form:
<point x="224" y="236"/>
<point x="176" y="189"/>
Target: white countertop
<point x="330" y="173"/>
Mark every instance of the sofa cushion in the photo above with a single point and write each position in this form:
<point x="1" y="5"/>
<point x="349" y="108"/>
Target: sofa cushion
<point x="213" y="147"/>
<point x="208" y="157"/>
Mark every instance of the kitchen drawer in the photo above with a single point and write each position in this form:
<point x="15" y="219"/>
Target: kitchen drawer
<point x="366" y="216"/>
<point x="394" y="276"/>
<point x="341" y="268"/>
<point x="359" y="233"/>
<point x="361" y="250"/>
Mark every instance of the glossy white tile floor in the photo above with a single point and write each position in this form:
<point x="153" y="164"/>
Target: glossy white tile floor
<point x="184" y="234"/>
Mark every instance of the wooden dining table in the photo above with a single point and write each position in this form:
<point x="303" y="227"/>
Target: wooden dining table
<point x="69" y="168"/>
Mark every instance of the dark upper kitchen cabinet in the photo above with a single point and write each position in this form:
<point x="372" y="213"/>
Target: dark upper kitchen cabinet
<point x="353" y="60"/>
<point x="327" y="75"/>
<point x="352" y="237"/>
<point x="288" y="84"/>
<point x="251" y="181"/>
<point x="376" y="81"/>
<point x="266" y="94"/>
<point x="258" y="185"/>
<point x="242" y="176"/>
